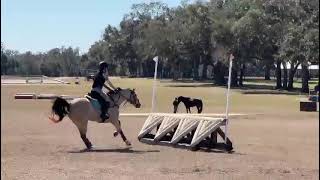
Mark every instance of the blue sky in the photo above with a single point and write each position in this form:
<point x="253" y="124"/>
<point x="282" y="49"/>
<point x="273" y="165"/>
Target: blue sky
<point x="40" y="25"/>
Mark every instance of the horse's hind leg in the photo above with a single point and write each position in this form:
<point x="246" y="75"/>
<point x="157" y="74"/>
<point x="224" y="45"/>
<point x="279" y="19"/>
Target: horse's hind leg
<point x="82" y="127"/>
<point x="86" y="140"/>
<point x="115" y="134"/>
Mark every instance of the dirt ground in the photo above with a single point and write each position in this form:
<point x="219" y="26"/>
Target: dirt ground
<point x="276" y="143"/>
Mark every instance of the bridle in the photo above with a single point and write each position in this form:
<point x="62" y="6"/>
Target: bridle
<point x="130" y="99"/>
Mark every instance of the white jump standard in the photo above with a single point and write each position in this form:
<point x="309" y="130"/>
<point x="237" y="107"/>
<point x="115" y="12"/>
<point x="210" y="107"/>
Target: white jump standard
<point x="186" y="131"/>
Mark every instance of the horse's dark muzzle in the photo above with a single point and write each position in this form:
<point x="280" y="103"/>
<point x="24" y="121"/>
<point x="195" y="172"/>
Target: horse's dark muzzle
<point x="175" y="108"/>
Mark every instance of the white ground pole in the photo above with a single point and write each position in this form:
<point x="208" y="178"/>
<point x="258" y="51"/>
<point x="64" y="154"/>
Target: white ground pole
<point x="154" y="84"/>
<point x="228" y="92"/>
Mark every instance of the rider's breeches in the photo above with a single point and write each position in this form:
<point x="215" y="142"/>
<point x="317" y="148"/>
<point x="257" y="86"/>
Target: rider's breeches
<point x="102" y="94"/>
<point x="101" y="97"/>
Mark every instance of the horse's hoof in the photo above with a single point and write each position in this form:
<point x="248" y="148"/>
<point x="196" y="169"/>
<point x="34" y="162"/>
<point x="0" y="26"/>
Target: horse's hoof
<point x="115" y="134"/>
<point x="89" y="146"/>
<point x="128" y="143"/>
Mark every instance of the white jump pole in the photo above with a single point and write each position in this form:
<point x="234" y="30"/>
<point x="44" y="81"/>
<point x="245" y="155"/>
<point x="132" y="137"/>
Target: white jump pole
<point x="228" y="92"/>
<point x="154" y="84"/>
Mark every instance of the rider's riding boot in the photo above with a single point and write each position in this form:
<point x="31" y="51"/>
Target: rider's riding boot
<point x="104" y="116"/>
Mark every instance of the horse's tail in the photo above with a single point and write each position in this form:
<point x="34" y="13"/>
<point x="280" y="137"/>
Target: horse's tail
<point x="200" y="108"/>
<point x="61" y="108"/>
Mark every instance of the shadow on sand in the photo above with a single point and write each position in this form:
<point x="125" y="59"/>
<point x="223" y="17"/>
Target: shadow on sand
<point x="129" y="150"/>
<point x="118" y="150"/>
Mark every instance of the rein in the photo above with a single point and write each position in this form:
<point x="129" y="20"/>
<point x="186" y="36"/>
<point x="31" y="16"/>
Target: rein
<point x="115" y="104"/>
<point x="120" y="95"/>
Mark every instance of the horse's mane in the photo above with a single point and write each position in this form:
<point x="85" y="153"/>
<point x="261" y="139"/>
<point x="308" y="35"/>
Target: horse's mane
<point x="110" y="93"/>
<point x="180" y="98"/>
<point x="114" y="92"/>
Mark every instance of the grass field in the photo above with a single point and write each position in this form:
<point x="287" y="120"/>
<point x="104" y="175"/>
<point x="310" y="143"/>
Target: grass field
<point x="272" y="83"/>
<point x="275" y="140"/>
<point x="214" y="98"/>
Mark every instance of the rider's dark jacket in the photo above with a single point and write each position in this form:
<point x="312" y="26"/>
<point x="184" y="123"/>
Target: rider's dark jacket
<point x="99" y="81"/>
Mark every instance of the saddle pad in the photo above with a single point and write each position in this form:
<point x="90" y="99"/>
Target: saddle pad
<point x="95" y="103"/>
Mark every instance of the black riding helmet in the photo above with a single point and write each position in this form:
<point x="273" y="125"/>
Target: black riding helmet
<point x="102" y="65"/>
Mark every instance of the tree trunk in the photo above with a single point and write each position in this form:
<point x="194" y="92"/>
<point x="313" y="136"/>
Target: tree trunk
<point x="132" y="66"/>
<point x="242" y="71"/>
<point x="305" y="78"/>
<point x="122" y="70"/>
<point x="205" y="66"/>
<point x="146" y="68"/>
<point x="168" y="71"/>
<point x="176" y="71"/>
<point x="234" y="77"/>
<point x="267" y="72"/>
<point x="290" y="81"/>
<point x="140" y="69"/>
<point x="278" y="75"/>
<point x="196" y="68"/>
<point x="285" y="76"/>
<point x="291" y="73"/>
<point x="143" y="69"/>
<point x="293" y="70"/>
<point x="218" y="74"/>
<point x="204" y="71"/>
<point x="175" y="75"/>
<point x="160" y="67"/>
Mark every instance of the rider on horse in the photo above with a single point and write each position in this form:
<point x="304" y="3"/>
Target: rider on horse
<point x="96" y="92"/>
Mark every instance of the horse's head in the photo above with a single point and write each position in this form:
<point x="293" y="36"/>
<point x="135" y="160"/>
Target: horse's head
<point x="131" y="97"/>
<point x="175" y="105"/>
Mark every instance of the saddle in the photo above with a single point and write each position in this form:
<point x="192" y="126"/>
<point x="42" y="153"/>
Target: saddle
<point x="94" y="102"/>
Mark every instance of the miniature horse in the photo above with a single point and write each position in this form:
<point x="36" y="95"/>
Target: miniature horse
<point x="188" y="102"/>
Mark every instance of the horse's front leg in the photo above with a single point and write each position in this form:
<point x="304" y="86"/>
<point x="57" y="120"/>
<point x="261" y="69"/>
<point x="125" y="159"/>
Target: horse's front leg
<point x="119" y="131"/>
<point x="128" y="143"/>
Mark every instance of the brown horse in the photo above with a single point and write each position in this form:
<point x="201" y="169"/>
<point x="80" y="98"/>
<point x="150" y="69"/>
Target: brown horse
<point x="81" y="110"/>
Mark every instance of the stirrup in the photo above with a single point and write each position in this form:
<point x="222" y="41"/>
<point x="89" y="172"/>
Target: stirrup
<point x="104" y="117"/>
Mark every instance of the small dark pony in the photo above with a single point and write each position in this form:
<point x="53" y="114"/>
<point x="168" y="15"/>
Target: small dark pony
<point x="188" y="102"/>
